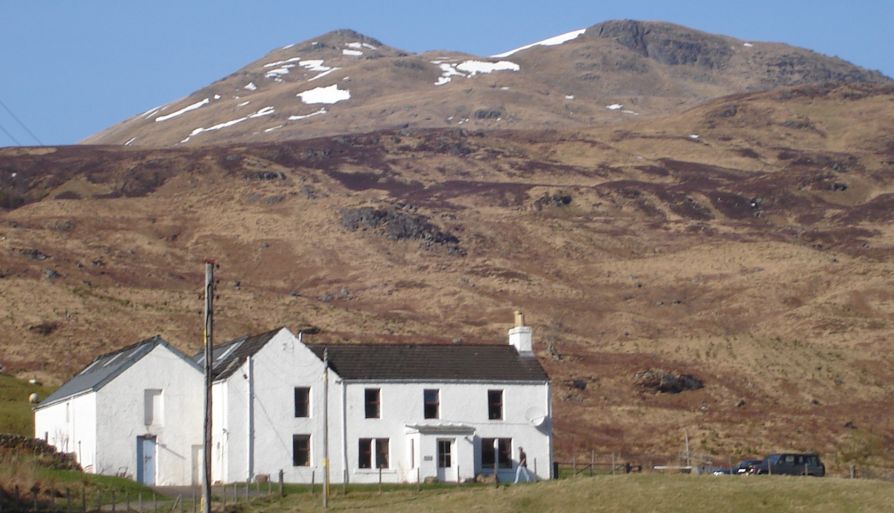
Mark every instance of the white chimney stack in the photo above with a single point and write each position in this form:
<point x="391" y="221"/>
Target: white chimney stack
<point x="521" y="336"/>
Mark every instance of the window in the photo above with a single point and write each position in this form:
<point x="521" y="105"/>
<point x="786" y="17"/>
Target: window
<point x="432" y="403"/>
<point x="445" y="450"/>
<point x="152" y="407"/>
<point x="495" y="404"/>
<point x="371" y="402"/>
<point x="302" y="402"/>
<point x="301" y="450"/>
<point x="373" y="446"/>
<point x="503" y="450"/>
<point x="381" y="453"/>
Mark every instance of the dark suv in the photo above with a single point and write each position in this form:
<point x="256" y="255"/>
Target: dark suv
<point x="789" y="464"/>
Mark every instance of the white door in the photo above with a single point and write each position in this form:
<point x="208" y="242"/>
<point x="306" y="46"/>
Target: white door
<point x="446" y="459"/>
<point x="197" y="461"/>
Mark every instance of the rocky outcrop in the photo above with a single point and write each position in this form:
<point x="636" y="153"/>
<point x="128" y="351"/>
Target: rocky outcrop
<point x="666" y="43"/>
<point x="399" y="223"/>
<point x="668" y="382"/>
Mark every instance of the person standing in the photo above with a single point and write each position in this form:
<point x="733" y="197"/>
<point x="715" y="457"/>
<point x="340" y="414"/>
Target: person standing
<point x="522" y="468"/>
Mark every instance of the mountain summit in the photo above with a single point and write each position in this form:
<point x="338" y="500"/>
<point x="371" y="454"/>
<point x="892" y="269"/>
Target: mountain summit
<point x="344" y="81"/>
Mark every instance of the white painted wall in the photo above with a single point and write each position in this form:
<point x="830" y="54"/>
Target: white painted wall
<point x="460" y="403"/>
<point x="284" y="363"/>
<point x="273" y="373"/>
<point x="120" y="411"/>
<point x="70" y="426"/>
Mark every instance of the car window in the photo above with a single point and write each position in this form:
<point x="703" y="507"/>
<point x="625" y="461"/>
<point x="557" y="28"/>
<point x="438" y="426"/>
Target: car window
<point x="789" y="458"/>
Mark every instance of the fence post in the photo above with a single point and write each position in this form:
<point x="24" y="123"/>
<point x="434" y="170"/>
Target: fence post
<point x="574" y="464"/>
<point x="313" y="478"/>
<point x="246" y="491"/>
<point x="140" y="501"/>
<point x="344" y="482"/>
<point x="154" y="502"/>
<point x="613" y="463"/>
<point x="592" y="460"/>
<point x="458" y="478"/>
<point x="418" y="479"/>
<point x="113" y="502"/>
<point x="127" y="502"/>
<point x="84" y="498"/>
<point x="282" y="490"/>
<point x="853" y="471"/>
<point x="180" y="500"/>
<point x="194" y="505"/>
<point x="380" y="480"/>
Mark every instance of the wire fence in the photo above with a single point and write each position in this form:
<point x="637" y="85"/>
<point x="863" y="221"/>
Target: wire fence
<point x="86" y="499"/>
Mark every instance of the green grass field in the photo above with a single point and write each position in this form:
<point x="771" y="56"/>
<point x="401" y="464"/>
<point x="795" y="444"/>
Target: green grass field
<point x="15" y="411"/>
<point x="616" y="494"/>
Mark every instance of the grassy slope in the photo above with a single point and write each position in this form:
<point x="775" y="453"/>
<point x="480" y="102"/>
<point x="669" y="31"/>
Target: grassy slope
<point x="15" y="411"/>
<point x="641" y="494"/>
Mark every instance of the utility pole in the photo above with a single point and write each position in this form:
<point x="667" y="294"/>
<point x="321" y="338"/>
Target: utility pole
<point x="325" y="428"/>
<point x="209" y="325"/>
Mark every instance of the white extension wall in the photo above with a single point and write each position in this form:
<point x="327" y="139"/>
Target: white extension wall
<point x="70" y="426"/>
<point x="120" y="406"/>
<point x="272" y="375"/>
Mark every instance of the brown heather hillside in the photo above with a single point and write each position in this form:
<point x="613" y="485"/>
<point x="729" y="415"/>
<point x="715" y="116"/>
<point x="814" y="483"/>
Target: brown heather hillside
<point x="747" y="242"/>
<point x="639" y="69"/>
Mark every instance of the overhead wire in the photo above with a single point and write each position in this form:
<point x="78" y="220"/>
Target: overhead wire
<point x="5" y="131"/>
<point x="19" y="121"/>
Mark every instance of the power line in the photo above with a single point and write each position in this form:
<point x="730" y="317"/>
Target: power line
<point x="5" y="131"/>
<point x="20" y="123"/>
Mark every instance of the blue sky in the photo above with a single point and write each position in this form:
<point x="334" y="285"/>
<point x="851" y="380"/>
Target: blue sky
<point x="76" y="67"/>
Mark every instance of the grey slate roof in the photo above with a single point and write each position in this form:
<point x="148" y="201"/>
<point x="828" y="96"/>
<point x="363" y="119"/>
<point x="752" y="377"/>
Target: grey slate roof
<point x="430" y="362"/>
<point x="229" y="356"/>
<point x="105" y="368"/>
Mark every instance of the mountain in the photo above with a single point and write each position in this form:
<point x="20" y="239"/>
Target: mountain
<point x="345" y="82"/>
<point x="745" y="241"/>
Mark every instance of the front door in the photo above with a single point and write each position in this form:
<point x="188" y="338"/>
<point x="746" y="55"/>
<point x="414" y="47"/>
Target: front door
<point x="445" y="459"/>
<point x="146" y="460"/>
<point x="197" y="464"/>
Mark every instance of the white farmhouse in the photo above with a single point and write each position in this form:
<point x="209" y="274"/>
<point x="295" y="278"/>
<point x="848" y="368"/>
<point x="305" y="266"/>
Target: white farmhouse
<point x="407" y="412"/>
<point x="401" y="413"/>
<point x="134" y="412"/>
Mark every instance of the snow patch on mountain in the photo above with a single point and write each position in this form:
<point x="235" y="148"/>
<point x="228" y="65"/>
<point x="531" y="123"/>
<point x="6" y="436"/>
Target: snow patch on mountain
<point x="251" y="86"/>
<point x="330" y="94"/>
<point x="280" y="63"/>
<point x="314" y="65"/>
<point x="266" y="111"/>
<point x="323" y="74"/>
<point x="305" y="116"/>
<point x="278" y="72"/>
<point x="468" y="69"/>
<point x="359" y="46"/>
<point x="188" y="108"/>
<point x="351" y="53"/>
<point x="553" y="41"/>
